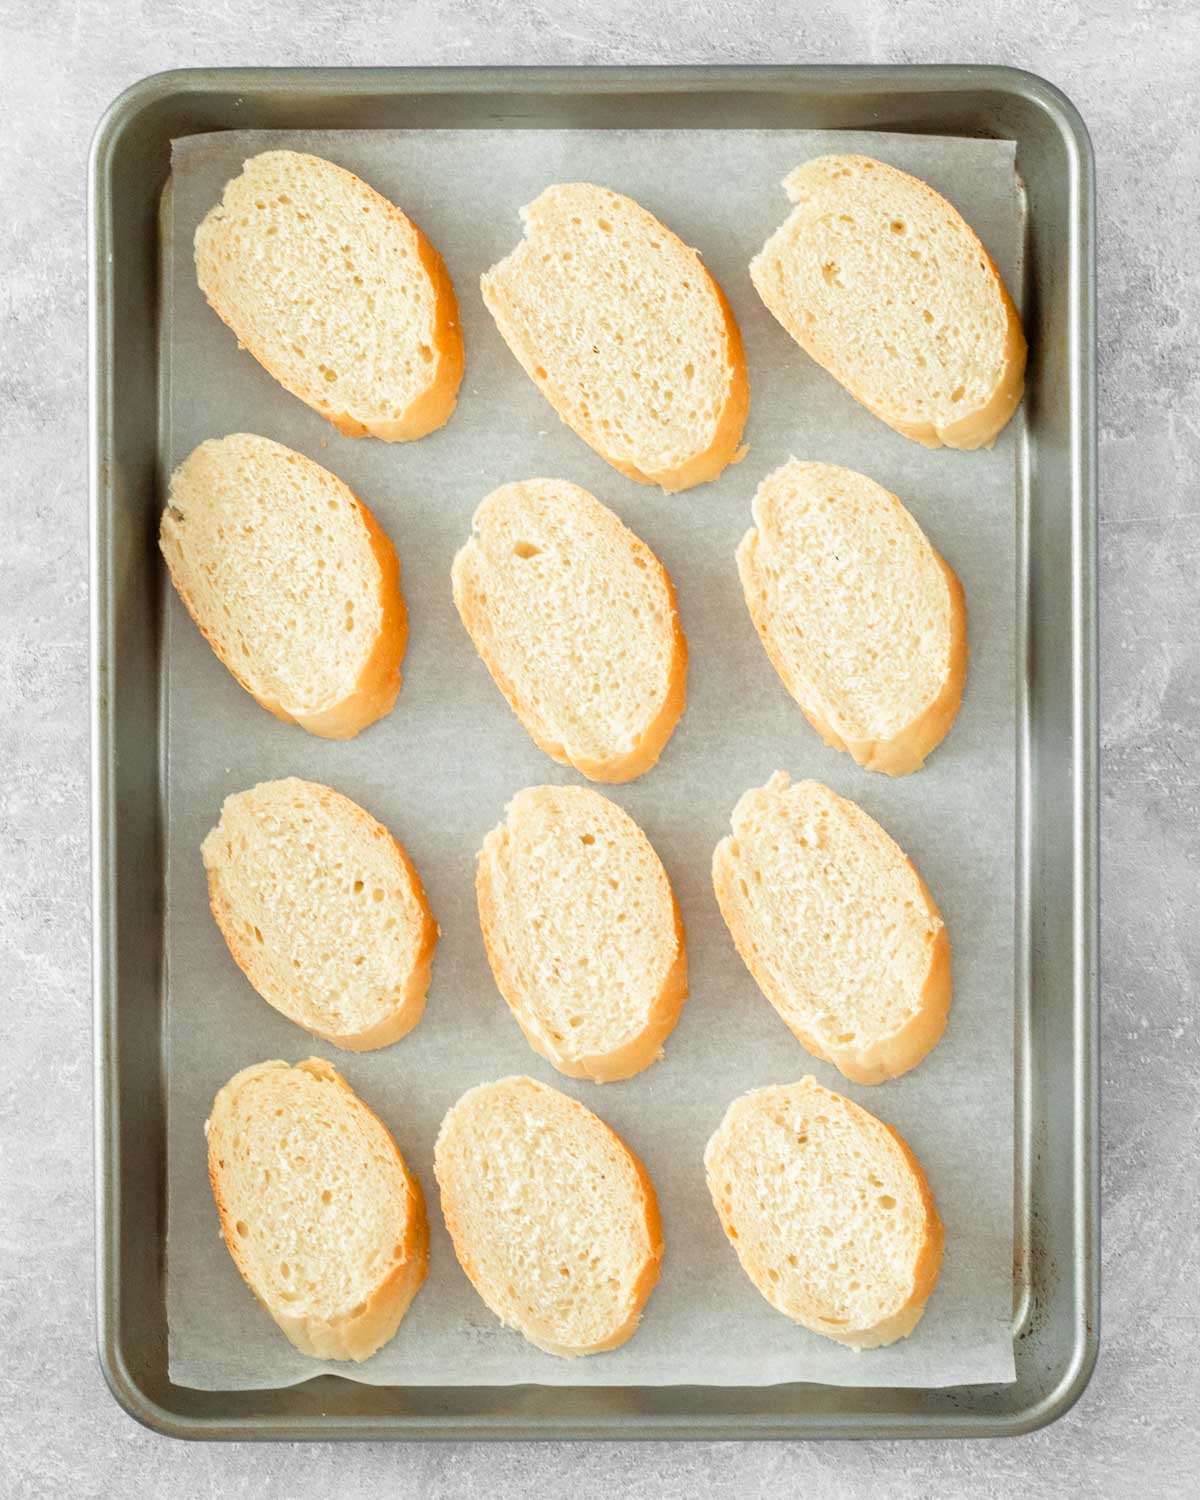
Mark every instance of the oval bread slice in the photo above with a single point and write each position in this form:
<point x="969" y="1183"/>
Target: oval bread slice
<point x="625" y="333"/>
<point x="582" y="932"/>
<point x="553" y="1218"/>
<point x="865" y="623"/>
<point x="291" y="581"/>
<point x="322" y="911"/>
<point x="575" y="619"/>
<point x="829" y="1212"/>
<point x="336" y="293"/>
<point x="888" y="288"/>
<point x="321" y="1215"/>
<point x="836" y="926"/>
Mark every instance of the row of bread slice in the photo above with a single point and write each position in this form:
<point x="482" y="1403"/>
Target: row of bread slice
<point x="553" y="1218"/>
<point x="573" y="615"/>
<point x="325" y="914"/>
<point x="338" y="294"/>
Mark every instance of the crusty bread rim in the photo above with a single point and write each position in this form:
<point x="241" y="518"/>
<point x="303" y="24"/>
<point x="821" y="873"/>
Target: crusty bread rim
<point x="647" y="749"/>
<point x="698" y="469"/>
<point x="889" y="1056"/>
<point x="403" y="1017"/>
<point x="427" y="411"/>
<point x="906" y="751"/>
<point x="926" y="1267"/>
<point x="358" y="1334"/>
<point x="378" y="685"/>
<point x="647" y="1278"/>
<point x="976" y="429"/>
<point x="599" y="1067"/>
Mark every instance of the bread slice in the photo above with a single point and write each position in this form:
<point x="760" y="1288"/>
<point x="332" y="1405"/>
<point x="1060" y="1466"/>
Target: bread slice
<point x="865" y="623"/>
<point x="553" y="1218"/>
<point x="625" y="333"/>
<point x="290" y="580"/>
<point x="336" y="293"/>
<point x="837" y="927"/>
<point x="829" y="1212"/>
<point x="887" y="287"/>
<point x="323" y="912"/>
<point x="323" y="1219"/>
<point x="582" y="932"/>
<point x="575" y="619"/>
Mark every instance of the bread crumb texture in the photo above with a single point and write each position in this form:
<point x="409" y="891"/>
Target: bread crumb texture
<point x="336" y="293"/>
<point x="860" y="616"/>
<point x="886" y="286"/>
<point x="553" y="1218"/>
<point x="828" y="1210"/>
<point x="323" y="910"/>
<point x="291" y="580"/>
<point x="624" y="331"/>
<point x="575" y="619"/>
<point x="317" y="1208"/>
<point x="836" y="926"/>
<point x="582" y="932"/>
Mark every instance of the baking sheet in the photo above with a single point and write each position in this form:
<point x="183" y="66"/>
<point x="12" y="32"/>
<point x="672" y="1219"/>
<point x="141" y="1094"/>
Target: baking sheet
<point x="440" y="768"/>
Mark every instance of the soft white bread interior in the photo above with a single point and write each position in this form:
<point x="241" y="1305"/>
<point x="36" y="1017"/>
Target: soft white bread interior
<point x="829" y="1212"/>
<point x="553" y="1218"/>
<point x="575" y="619"/>
<point x="625" y="333"/>
<point x="863" y="620"/>
<point x="582" y="932"/>
<point x="336" y="293"/>
<point x="887" y="287"/>
<point x="836" y="926"/>
<point x="323" y="912"/>
<point x="319" y="1212"/>
<point x="290" y="580"/>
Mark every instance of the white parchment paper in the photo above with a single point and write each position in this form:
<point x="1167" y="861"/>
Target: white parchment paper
<point x="440" y="768"/>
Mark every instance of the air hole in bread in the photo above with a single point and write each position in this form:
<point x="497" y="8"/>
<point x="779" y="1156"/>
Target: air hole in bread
<point x="526" y="549"/>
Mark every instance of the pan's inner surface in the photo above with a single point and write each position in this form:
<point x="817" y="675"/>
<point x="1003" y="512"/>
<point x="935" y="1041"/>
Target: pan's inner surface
<point x="1051" y="1334"/>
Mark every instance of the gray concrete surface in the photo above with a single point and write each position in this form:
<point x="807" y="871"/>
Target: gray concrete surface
<point x="1131" y="66"/>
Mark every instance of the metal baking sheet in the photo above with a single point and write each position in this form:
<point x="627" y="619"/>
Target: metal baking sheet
<point x="708" y="98"/>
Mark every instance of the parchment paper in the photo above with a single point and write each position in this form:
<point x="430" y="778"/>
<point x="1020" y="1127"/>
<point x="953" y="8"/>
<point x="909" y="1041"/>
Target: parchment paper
<point x="440" y="768"/>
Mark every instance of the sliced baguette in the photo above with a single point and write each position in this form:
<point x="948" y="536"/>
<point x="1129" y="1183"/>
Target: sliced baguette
<point x="837" y="928"/>
<point x="582" y="932"/>
<point x="322" y="1218"/>
<point x="322" y="911"/>
<point x="553" y="1218"/>
<point x="829" y="1212"/>
<point x="291" y="581"/>
<point x="625" y="333"/>
<point x="865" y="623"/>
<point x="887" y="287"/>
<point x="336" y="293"/>
<point x="575" y="619"/>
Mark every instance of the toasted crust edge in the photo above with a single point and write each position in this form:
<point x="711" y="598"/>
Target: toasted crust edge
<point x="977" y="429"/>
<point x="647" y="1278"/>
<point x="404" y="1016"/>
<point x="926" y="1267"/>
<point x="890" y="1056"/>
<point x="432" y="407"/>
<point x="352" y="1338"/>
<point x="598" y="1067"/>
<point x="907" y="750"/>
<point x="646" y="753"/>
<point x="378" y="685"/>
<point x="701" y="467"/>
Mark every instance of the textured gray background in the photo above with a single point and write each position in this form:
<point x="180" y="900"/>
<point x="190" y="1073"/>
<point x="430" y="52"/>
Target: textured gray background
<point x="1132" y="68"/>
